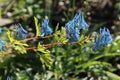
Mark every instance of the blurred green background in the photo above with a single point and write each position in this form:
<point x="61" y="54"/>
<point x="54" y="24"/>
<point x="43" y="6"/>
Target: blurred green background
<point x="69" y="63"/>
<point x="98" y="12"/>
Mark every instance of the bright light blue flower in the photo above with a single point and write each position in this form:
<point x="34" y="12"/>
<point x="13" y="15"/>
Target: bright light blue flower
<point x="103" y="40"/>
<point x="80" y="21"/>
<point x="2" y="43"/>
<point x="20" y="32"/>
<point x="72" y="32"/>
<point x="73" y="27"/>
<point x="83" y="24"/>
<point x="74" y="35"/>
<point x="45" y="29"/>
<point x="70" y="26"/>
<point x="106" y="36"/>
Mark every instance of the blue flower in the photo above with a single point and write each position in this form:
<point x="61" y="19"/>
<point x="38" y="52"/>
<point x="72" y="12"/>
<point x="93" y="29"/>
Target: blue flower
<point x="74" y="36"/>
<point x="72" y="32"/>
<point x="73" y="27"/>
<point x="45" y="29"/>
<point x="2" y="43"/>
<point x="103" y="40"/>
<point x="83" y="24"/>
<point x="70" y="26"/>
<point x="20" y="32"/>
<point x="80" y="21"/>
<point x="106" y="36"/>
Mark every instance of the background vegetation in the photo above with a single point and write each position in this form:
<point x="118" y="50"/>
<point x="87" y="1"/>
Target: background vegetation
<point x="68" y="62"/>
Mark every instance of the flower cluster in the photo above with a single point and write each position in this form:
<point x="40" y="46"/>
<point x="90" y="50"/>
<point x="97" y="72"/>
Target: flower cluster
<point x="45" y="29"/>
<point x="80" y="22"/>
<point x="20" y="32"/>
<point x="73" y="27"/>
<point x="102" y="40"/>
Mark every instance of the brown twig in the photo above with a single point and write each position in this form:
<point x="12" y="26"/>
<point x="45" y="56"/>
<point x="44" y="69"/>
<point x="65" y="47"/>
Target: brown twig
<point x="36" y="37"/>
<point x="50" y="45"/>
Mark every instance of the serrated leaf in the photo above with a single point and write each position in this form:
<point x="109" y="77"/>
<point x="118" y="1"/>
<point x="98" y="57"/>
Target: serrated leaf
<point x="42" y="49"/>
<point x="81" y="38"/>
<point x="46" y="59"/>
<point x="63" y="38"/>
<point x="20" y="48"/>
<point x="63" y="31"/>
<point x="45" y="55"/>
<point x="56" y="35"/>
<point x="37" y="26"/>
<point x="10" y="36"/>
<point x="19" y="43"/>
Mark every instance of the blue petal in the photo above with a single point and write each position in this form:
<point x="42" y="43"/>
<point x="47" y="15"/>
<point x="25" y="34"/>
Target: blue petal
<point x="83" y="24"/>
<point x="79" y="21"/>
<point x="73" y="27"/>
<point x="73" y="36"/>
<point x="2" y="43"/>
<point x="104" y="39"/>
<point x="45" y="30"/>
<point x="20" y="31"/>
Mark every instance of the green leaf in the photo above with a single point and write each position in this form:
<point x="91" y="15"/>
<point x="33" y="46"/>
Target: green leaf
<point x="17" y="45"/>
<point x="112" y="76"/>
<point x="44" y="55"/>
<point x="56" y="35"/>
<point x="20" y="46"/>
<point x="60" y="35"/>
<point x="37" y="26"/>
<point x="57" y="27"/>
<point x="46" y="59"/>
<point x="94" y="63"/>
<point x="10" y="36"/>
<point x="63" y="38"/>
<point x="81" y="38"/>
<point x="42" y="49"/>
<point x="91" y="63"/>
<point x="104" y="55"/>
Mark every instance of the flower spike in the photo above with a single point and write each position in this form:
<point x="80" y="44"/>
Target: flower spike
<point x="45" y="30"/>
<point x="103" y="40"/>
<point x="74" y="26"/>
<point x="20" y="31"/>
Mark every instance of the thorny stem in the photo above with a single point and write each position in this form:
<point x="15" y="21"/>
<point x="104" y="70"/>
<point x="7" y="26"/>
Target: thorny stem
<point x="50" y="45"/>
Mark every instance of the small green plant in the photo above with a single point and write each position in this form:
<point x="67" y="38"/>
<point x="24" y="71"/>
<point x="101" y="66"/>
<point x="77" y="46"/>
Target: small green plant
<point x="60" y="55"/>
